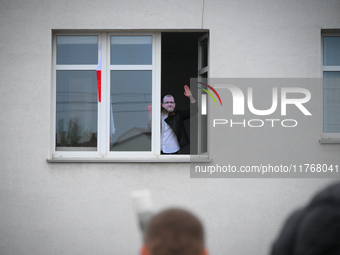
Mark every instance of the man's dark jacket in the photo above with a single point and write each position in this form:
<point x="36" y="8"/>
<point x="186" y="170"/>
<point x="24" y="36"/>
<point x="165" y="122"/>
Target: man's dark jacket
<point x="176" y="121"/>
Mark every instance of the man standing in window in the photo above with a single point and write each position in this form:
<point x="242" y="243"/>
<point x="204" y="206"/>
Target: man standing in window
<point x="174" y="136"/>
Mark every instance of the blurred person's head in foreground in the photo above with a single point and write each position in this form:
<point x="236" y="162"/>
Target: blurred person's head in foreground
<point x="315" y="229"/>
<point x="174" y="232"/>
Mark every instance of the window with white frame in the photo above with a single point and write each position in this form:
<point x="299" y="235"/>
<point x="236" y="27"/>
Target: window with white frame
<point x="105" y="86"/>
<point x="76" y="92"/>
<point x="331" y="85"/>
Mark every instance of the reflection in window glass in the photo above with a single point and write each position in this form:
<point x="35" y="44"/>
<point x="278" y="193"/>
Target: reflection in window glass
<point x="76" y="110"/>
<point x="204" y="122"/>
<point x="130" y="128"/>
<point x="331" y="101"/>
<point x="331" y="50"/>
<point x="131" y="50"/>
<point x="204" y="53"/>
<point x="77" y="50"/>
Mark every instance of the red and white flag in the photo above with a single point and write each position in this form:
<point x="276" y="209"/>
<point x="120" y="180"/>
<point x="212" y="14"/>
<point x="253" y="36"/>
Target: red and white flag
<point x="99" y="74"/>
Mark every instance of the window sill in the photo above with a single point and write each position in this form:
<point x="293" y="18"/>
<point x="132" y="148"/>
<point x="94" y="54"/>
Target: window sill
<point x="156" y="159"/>
<point x="329" y="140"/>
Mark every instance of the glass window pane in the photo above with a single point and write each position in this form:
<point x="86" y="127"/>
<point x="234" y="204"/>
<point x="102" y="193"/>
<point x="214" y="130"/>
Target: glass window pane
<point x="331" y="102"/>
<point x="76" y="123"/>
<point x="204" y="121"/>
<point x="77" y="50"/>
<point x="331" y="50"/>
<point x="130" y="128"/>
<point x="131" y="50"/>
<point x="204" y="53"/>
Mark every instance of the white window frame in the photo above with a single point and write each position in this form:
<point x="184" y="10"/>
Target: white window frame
<point x="103" y="153"/>
<point x="328" y="137"/>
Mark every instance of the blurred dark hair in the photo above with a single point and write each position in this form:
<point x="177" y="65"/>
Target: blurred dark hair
<point x="315" y="229"/>
<point x="174" y="231"/>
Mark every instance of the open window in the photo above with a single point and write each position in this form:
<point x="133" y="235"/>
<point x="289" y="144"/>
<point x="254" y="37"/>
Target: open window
<point x="185" y="56"/>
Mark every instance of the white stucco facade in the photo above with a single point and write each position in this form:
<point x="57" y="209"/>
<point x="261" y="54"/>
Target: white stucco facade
<point x="85" y="208"/>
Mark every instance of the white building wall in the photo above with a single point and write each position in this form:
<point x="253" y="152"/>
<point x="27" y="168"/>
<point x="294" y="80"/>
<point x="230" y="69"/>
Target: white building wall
<point x="84" y="208"/>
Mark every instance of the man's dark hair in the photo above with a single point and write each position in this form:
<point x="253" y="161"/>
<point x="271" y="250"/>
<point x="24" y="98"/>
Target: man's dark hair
<point x="314" y="229"/>
<point x="166" y="95"/>
<point x="174" y="231"/>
